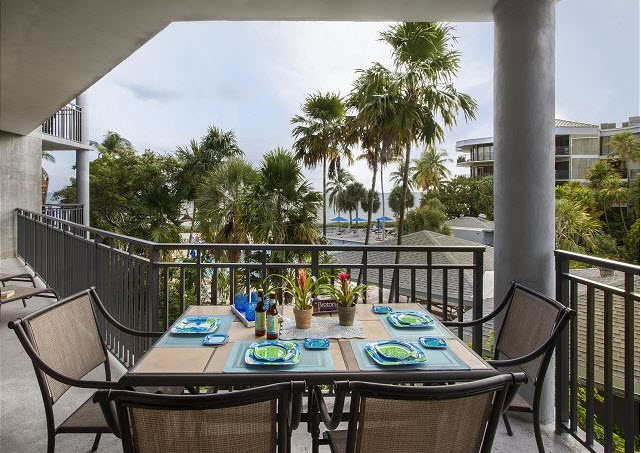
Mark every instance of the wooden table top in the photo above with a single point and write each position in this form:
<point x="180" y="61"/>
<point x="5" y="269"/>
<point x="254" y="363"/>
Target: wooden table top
<point x="204" y="364"/>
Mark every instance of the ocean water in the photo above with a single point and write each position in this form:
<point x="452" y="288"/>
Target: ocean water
<point x="331" y="213"/>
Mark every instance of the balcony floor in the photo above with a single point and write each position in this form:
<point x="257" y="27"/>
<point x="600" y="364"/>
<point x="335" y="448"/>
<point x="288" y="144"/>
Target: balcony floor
<point x="22" y="419"/>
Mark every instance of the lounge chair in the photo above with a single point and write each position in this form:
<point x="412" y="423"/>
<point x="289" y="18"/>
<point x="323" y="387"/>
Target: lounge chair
<point x="526" y="345"/>
<point x="257" y="420"/>
<point x="386" y="418"/>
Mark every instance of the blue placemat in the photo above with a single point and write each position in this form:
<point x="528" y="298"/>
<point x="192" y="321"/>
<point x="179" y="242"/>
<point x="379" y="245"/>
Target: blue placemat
<point x="169" y="340"/>
<point x="437" y="359"/>
<point x="412" y="333"/>
<point x="310" y="360"/>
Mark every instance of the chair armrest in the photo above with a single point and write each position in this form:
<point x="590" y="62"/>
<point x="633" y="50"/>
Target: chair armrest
<point x="296" y="408"/>
<point x="332" y="421"/>
<point x="108" y="410"/>
<point x="116" y="324"/>
<point x="481" y="320"/>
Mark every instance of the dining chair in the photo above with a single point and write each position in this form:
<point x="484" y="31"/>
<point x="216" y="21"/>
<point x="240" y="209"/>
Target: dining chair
<point x="530" y="331"/>
<point x="457" y="418"/>
<point x="64" y="344"/>
<point x="259" y="419"/>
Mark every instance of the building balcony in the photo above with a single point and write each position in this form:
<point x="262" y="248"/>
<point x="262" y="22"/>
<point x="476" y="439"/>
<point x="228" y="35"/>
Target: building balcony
<point x="135" y="277"/>
<point x="63" y="130"/>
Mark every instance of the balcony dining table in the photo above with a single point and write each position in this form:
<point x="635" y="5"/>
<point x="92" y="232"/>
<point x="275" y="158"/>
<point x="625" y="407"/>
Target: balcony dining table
<point x="173" y="361"/>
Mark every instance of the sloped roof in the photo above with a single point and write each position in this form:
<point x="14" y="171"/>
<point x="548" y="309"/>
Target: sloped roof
<point x="471" y="222"/>
<point x="567" y="123"/>
<point x="618" y="327"/>
<point x="405" y="275"/>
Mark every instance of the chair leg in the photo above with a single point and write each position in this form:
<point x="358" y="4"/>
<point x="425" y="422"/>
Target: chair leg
<point x="51" y="443"/>
<point x="24" y="303"/>
<point x="508" y="427"/>
<point x="96" y="441"/>
<point x="537" y="431"/>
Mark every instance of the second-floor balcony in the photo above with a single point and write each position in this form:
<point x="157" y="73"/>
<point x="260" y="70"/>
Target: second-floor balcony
<point x="66" y="123"/>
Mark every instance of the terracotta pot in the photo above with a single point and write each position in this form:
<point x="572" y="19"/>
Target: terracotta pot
<point x="346" y="315"/>
<point x="303" y="318"/>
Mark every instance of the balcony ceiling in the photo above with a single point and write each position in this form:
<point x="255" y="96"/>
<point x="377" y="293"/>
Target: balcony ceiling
<point x="52" y="50"/>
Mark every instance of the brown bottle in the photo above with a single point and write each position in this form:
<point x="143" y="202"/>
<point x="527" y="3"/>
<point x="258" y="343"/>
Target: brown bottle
<point x="260" y="321"/>
<point x="272" y="318"/>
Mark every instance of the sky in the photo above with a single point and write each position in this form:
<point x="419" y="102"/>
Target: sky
<point x="252" y="77"/>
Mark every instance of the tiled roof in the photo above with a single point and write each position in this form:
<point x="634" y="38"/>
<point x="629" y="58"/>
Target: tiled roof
<point x="566" y="123"/>
<point x="471" y="222"/>
<point x="618" y="328"/>
<point x="405" y="275"/>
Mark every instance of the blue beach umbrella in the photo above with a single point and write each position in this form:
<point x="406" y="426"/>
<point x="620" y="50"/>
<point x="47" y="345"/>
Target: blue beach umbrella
<point x="339" y="219"/>
<point x="358" y="219"/>
<point x="384" y="219"/>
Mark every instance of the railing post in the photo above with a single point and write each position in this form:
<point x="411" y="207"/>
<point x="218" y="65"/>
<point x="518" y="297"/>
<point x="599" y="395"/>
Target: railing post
<point x="315" y="263"/>
<point x="562" y="353"/>
<point x="153" y="282"/>
<point x="477" y="301"/>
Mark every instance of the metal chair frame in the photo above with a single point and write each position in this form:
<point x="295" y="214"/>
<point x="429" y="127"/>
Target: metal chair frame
<point x="546" y="350"/>
<point x="21" y="327"/>
<point x="287" y="394"/>
<point x="504" y="386"/>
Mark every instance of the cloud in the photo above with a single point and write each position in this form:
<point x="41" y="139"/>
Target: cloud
<point x="252" y="77"/>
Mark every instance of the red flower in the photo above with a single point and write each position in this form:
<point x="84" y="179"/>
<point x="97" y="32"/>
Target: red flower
<point x="302" y="278"/>
<point x="343" y="279"/>
<point x="343" y="276"/>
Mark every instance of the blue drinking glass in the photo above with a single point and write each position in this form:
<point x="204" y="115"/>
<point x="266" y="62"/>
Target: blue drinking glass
<point x="240" y="302"/>
<point x="250" y="311"/>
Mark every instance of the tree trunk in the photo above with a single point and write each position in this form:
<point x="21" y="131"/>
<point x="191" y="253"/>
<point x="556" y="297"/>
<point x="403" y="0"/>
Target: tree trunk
<point x="625" y="228"/>
<point x="325" y="196"/>
<point x="401" y="220"/>
<point x="382" y="197"/>
<point x="370" y="208"/>
<point x="193" y="221"/>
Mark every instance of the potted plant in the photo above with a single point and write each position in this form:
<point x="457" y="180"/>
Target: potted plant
<point x="346" y="296"/>
<point x="301" y="290"/>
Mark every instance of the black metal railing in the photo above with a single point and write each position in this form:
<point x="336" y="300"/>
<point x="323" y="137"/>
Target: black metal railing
<point x="64" y="211"/>
<point x="65" y="123"/>
<point x="597" y="365"/>
<point x="147" y="285"/>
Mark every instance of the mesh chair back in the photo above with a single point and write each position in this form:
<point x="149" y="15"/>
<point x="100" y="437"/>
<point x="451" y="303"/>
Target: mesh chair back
<point x="251" y="427"/>
<point x="67" y="339"/>
<point x="529" y="323"/>
<point x="398" y="426"/>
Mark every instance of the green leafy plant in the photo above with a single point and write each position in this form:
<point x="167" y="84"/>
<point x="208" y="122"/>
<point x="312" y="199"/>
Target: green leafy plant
<point x="301" y="288"/>
<point x="345" y="294"/>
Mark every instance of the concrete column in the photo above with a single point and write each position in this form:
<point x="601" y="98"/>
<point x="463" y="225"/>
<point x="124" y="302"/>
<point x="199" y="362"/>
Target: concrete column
<point x="524" y="151"/>
<point x="82" y="162"/>
<point x="20" y="184"/>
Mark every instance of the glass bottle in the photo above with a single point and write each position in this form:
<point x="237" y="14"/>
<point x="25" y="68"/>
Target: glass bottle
<point x="260" y="321"/>
<point x="272" y="318"/>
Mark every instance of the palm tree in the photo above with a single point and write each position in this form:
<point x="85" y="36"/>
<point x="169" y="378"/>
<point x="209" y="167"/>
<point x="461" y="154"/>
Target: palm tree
<point x="220" y="203"/>
<point x="396" y="177"/>
<point x="425" y="63"/>
<point x="199" y="158"/>
<point x="625" y="146"/>
<point x="372" y="98"/>
<point x="598" y="175"/>
<point x="337" y="186"/>
<point x="430" y="169"/>
<point x="318" y="137"/>
<point x="354" y="193"/>
<point x="112" y="142"/>
<point x="576" y="229"/>
<point x="612" y="192"/>
<point x="281" y="206"/>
